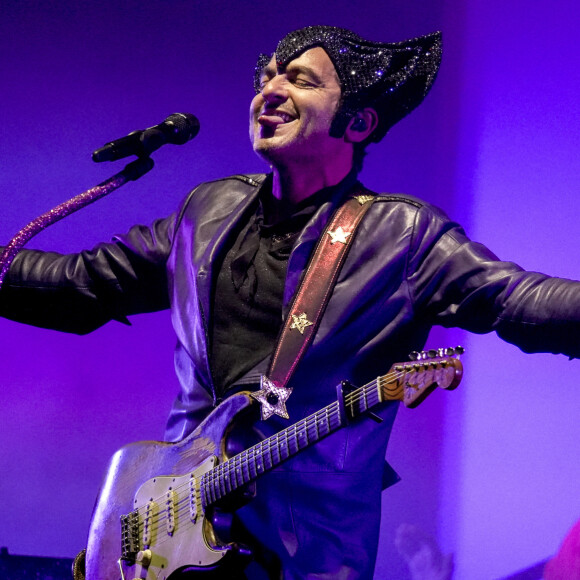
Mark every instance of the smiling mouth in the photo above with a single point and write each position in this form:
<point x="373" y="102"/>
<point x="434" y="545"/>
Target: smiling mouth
<point x="273" y="118"/>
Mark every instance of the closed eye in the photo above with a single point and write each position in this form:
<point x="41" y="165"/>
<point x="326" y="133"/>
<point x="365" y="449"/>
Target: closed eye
<point x="303" y="83"/>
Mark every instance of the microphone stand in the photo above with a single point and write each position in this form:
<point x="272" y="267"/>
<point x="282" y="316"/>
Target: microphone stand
<point x="131" y="172"/>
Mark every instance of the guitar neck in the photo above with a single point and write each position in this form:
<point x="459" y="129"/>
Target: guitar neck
<point x="410" y="383"/>
<point x="248" y="465"/>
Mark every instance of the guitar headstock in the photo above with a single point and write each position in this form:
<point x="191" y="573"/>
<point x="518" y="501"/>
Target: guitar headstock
<point x="411" y="382"/>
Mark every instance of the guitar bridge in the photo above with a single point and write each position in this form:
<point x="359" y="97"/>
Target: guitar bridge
<point x="130" y="537"/>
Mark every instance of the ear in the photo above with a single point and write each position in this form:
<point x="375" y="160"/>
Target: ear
<point x="361" y="126"/>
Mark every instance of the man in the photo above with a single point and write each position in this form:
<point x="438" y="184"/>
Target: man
<point x="230" y="261"/>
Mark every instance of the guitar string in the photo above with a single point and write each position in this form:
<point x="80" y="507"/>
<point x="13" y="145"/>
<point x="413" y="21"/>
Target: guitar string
<point x="229" y="468"/>
<point x="235" y="466"/>
<point x="361" y="394"/>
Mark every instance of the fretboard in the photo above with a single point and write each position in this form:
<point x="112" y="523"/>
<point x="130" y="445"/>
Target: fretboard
<point x="264" y="456"/>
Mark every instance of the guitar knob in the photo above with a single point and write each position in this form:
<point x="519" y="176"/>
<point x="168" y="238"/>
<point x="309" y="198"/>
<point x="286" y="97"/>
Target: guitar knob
<point x="144" y="558"/>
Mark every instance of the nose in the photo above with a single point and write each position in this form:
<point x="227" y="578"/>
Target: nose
<point x="275" y="90"/>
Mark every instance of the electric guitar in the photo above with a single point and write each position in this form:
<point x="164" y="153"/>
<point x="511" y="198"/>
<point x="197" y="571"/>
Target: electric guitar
<point x="152" y="519"/>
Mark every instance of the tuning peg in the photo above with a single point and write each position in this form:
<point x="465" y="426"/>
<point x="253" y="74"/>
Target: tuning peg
<point x="434" y="353"/>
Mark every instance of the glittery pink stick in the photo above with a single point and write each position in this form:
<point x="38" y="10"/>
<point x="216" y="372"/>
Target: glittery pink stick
<point x="131" y="172"/>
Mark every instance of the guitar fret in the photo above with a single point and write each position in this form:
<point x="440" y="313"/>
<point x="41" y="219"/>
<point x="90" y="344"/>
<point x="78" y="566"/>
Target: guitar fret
<point x="208" y="487"/>
<point x="257" y="456"/>
<point x="259" y="463"/>
<point x="378" y="392"/>
<point x="281" y="447"/>
<point x="271" y="456"/>
<point x="252" y="463"/>
<point x="325" y="425"/>
<point x="286" y="445"/>
<point x="274" y="459"/>
<point x="220" y="488"/>
<point x="314" y="430"/>
<point x="217" y="485"/>
<point x="292" y="443"/>
<point x="266" y="457"/>
<point x="304" y="435"/>
<point x="249" y="464"/>
<point x="232" y="476"/>
<point x="333" y="419"/>
<point x="238" y="472"/>
<point x="228" y="475"/>
<point x="245" y="468"/>
<point x="226" y="479"/>
<point x="203" y="490"/>
<point x="215" y="488"/>
<point x="241" y="469"/>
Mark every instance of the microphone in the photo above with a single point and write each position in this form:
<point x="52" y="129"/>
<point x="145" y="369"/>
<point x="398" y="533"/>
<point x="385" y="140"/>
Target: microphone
<point x="178" y="129"/>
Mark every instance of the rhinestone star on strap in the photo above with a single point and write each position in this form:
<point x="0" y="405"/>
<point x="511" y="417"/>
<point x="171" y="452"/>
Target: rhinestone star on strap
<point x="300" y="322"/>
<point x="338" y="235"/>
<point x="272" y="398"/>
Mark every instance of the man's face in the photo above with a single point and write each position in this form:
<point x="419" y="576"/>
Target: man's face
<point x="290" y="118"/>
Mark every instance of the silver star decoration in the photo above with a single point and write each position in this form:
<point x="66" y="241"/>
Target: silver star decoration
<point x="338" y="235"/>
<point x="300" y="322"/>
<point x="272" y="398"/>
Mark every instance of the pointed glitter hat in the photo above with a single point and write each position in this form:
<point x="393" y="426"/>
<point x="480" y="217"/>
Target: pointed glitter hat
<point x="392" y="78"/>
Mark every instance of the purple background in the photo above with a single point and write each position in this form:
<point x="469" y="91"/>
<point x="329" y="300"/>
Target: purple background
<point x="490" y="470"/>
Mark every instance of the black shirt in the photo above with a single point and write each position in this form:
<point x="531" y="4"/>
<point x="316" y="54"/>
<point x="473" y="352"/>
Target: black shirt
<point x="250" y="283"/>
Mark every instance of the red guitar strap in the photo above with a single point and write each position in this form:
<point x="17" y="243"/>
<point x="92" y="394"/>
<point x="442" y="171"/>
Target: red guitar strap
<point x="310" y="302"/>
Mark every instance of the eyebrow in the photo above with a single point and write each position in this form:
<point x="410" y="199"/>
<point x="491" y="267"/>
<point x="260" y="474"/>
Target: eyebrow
<point x="298" y="68"/>
<point x="272" y="70"/>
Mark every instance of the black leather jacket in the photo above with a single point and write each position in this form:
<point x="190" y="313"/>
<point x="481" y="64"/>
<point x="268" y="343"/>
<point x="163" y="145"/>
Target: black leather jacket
<point x="409" y="268"/>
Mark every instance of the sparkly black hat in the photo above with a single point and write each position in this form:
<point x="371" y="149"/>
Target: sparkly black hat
<point x="393" y="78"/>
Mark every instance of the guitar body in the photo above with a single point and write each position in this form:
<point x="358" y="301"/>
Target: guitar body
<point x="160" y="479"/>
<point x="153" y="517"/>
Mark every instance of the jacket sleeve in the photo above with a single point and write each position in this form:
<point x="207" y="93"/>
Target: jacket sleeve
<point x="461" y="283"/>
<point x="78" y="293"/>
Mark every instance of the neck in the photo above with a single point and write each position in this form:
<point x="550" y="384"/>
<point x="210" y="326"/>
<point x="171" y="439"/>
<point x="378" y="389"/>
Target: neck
<point x="295" y="185"/>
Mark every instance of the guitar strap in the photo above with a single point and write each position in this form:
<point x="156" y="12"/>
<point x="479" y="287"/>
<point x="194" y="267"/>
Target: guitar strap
<point x="310" y="302"/>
